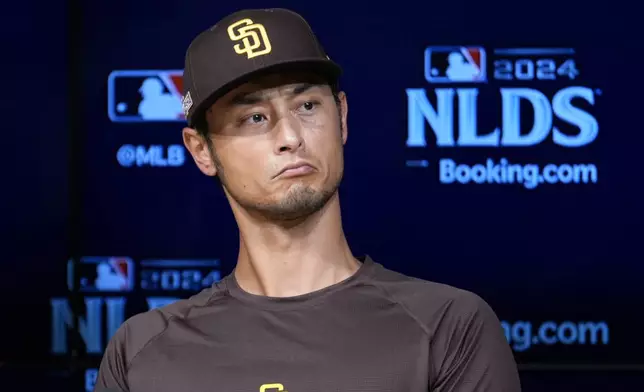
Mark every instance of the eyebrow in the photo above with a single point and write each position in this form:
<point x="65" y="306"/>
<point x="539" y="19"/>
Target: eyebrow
<point x="254" y="98"/>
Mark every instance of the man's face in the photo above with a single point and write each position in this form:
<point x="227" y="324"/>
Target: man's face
<point x="262" y="128"/>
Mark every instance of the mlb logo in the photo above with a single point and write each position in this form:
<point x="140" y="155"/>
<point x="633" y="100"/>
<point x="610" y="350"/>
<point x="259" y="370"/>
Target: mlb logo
<point x="101" y="274"/>
<point x="455" y="64"/>
<point x="145" y="95"/>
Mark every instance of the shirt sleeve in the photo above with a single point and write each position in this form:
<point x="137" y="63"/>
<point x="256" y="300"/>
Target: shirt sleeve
<point x="470" y="352"/>
<point x="112" y="372"/>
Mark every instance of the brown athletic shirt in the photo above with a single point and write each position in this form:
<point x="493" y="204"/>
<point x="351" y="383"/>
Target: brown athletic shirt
<point x="377" y="331"/>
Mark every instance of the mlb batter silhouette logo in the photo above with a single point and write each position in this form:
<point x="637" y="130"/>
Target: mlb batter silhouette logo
<point x="96" y="274"/>
<point x="145" y="95"/>
<point x="108" y="279"/>
<point x="157" y="104"/>
<point x="455" y="64"/>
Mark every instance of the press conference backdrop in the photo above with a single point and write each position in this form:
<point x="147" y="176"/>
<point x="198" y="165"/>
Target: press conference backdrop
<point x="486" y="150"/>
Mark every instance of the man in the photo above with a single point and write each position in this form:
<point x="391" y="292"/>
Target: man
<point x="299" y="313"/>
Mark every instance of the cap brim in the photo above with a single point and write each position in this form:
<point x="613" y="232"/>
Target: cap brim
<point x="328" y="69"/>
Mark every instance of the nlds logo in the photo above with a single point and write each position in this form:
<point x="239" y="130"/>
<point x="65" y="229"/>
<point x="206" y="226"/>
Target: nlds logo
<point x="145" y="95"/>
<point x="528" y="115"/>
<point x="107" y="284"/>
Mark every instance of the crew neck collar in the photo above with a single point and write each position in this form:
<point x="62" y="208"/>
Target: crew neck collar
<point x="303" y="300"/>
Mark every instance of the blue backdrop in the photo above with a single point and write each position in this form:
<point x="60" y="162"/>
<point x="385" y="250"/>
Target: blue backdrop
<point x="559" y="261"/>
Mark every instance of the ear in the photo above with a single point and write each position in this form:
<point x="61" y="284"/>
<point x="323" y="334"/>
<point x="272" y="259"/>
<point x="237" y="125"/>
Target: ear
<point x="198" y="148"/>
<point x="344" y="108"/>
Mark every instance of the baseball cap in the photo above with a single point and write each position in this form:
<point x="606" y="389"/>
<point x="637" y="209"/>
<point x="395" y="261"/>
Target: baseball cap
<point x="243" y="45"/>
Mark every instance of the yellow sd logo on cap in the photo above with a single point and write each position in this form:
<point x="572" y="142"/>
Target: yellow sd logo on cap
<point x="266" y="387"/>
<point x="253" y="37"/>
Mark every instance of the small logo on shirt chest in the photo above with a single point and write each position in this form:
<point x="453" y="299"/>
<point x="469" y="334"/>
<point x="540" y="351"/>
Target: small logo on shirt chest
<point x="272" y="388"/>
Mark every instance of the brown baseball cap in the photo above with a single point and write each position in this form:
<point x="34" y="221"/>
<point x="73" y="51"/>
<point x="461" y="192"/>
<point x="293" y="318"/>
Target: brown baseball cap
<point x="243" y="45"/>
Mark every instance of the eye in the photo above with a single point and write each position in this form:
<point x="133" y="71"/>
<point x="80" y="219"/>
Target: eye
<point x="309" y="106"/>
<point x="253" y="119"/>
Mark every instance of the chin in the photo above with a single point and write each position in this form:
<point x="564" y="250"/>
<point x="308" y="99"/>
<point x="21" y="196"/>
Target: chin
<point x="292" y="200"/>
<point x="298" y="188"/>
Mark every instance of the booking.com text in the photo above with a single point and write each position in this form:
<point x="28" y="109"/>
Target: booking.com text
<point x="522" y="335"/>
<point x="503" y="172"/>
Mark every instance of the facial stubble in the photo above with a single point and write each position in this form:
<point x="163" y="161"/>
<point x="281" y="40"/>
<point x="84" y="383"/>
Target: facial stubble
<point x="300" y="201"/>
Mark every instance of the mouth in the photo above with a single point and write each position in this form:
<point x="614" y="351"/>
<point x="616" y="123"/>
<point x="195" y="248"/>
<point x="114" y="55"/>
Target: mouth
<point x="295" y="170"/>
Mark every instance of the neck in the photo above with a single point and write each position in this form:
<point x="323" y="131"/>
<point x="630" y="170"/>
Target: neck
<point x="282" y="261"/>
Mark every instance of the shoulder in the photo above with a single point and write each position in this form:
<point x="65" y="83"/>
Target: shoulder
<point x="467" y="347"/>
<point x="143" y="328"/>
<point x="430" y="302"/>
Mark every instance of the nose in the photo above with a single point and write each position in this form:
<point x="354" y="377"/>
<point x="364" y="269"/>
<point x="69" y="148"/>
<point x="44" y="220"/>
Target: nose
<point x="289" y="136"/>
